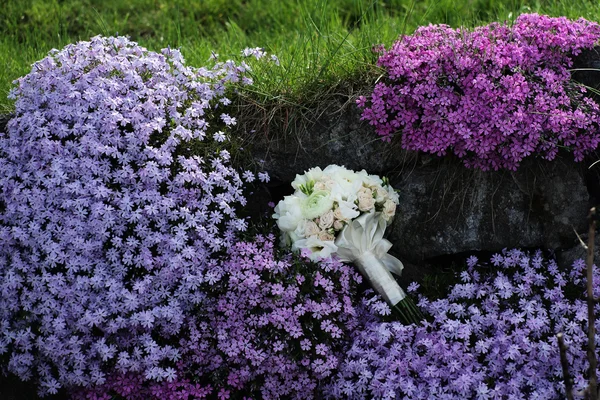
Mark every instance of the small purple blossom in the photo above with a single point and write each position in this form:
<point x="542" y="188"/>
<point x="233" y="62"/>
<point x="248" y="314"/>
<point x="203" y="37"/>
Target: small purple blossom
<point x="255" y="52"/>
<point x="109" y="224"/>
<point x="264" y="177"/>
<point x="261" y="331"/>
<point x="497" y="346"/>
<point x="248" y="176"/>
<point x="219" y="137"/>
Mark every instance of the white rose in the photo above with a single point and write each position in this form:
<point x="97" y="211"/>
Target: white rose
<point x="366" y="202"/>
<point x="311" y="229"/>
<point x="389" y="210"/>
<point x="317" y="204"/>
<point x="326" y="220"/>
<point x="288" y="213"/>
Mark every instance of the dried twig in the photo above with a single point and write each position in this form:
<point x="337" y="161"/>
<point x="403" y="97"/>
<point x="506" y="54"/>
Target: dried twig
<point x="591" y="352"/>
<point x="580" y="239"/>
<point x="591" y="392"/>
<point x="565" y="367"/>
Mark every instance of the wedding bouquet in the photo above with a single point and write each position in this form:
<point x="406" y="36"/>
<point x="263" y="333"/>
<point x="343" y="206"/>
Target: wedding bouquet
<point x="342" y="212"/>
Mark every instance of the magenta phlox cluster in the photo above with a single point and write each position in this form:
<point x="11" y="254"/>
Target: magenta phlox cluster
<point x="281" y="325"/>
<point x="109" y="223"/>
<point x="275" y="326"/>
<point x="492" y="337"/>
<point x="492" y="96"/>
<point x="134" y="387"/>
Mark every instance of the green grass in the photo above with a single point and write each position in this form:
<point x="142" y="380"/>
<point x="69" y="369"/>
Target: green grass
<point x="324" y="45"/>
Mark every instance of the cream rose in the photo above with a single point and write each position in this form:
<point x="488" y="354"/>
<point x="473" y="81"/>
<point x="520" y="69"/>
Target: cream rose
<point x="338" y="225"/>
<point x="389" y="210"/>
<point x="324" y="184"/>
<point x="326" y="236"/>
<point x="311" y="229"/>
<point x="326" y="220"/>
<point x="366" y="202"/>
<point x="337" y="213"/>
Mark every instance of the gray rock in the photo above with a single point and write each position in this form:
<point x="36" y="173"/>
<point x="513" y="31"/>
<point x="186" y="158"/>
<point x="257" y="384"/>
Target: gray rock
<point x="4" y="118"/>
<point x="335" y="138"/>
<point x="446" y="209"/>
<point x="586" y="70"/>
<point x="567" y="257"/>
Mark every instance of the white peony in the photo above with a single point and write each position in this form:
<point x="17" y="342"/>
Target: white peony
<point x="347" y="181"/>
<point x="319" y="248"/>
<point x="339" y="172"/>
<point x="288" y="213"/>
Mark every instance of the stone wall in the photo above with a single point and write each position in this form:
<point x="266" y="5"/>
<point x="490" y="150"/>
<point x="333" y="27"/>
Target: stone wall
<point x="445" y="208"/>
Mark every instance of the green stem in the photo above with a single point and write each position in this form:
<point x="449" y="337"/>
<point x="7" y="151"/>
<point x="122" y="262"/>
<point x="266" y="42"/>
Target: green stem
<point x="408" y="312"/>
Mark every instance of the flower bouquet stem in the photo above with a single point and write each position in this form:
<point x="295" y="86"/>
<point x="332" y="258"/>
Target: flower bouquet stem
<point x="381" y="279"/>
<point x="407" y="311"/>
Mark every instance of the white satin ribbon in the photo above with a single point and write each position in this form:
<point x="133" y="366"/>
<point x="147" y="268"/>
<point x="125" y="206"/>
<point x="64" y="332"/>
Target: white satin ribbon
<point x="361" y="242"/>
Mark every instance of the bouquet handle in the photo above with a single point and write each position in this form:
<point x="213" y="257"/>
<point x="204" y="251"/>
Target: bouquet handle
<point x="362" y="243"/>
<point x="380" y="278"/>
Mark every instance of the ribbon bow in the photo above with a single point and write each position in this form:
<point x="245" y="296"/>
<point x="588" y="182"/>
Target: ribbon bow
<point x="362" y="242"/>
